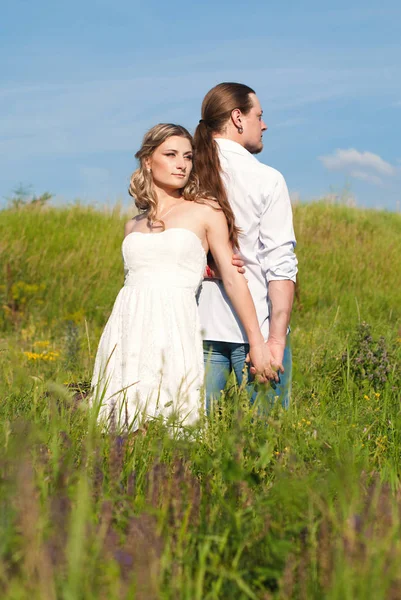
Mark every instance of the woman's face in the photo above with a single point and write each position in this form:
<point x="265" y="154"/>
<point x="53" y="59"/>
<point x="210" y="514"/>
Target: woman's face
<point x="171" y="163"/>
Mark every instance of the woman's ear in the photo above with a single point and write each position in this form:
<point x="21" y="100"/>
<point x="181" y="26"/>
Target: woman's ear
<point x="147" y="164"/>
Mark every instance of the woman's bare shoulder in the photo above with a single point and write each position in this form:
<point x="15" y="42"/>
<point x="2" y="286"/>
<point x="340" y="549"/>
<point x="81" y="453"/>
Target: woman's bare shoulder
<point x="209" y="213"/>
<point x="132" y="223"/>
<point x="208" y="205"/>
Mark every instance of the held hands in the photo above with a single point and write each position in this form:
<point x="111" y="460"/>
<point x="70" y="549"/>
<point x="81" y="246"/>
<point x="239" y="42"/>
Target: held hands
<point x="262" y="363"/>
<point x="274" y="354"/>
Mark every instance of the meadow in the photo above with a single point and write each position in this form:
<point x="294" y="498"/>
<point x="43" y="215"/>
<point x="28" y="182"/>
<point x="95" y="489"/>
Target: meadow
<point x="299" y="504"/>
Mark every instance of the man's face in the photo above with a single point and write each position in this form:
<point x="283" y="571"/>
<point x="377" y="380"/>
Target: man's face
<point x="253" y="126"/>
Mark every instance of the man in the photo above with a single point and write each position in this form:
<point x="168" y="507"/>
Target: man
<point x="227" y="138"/>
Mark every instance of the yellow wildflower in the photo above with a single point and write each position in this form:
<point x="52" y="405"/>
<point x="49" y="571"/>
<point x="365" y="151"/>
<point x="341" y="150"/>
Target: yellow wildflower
<point x="46" y="356"/>
<point x="50" y="355"/>
<point x="32" y="355"/>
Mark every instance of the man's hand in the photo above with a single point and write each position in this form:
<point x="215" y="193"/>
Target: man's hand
<point x="212" y="272"/>
<point x="239" y="263"/>
<point x="270" y="374"/>
<point x="260" y="358"/>
<point x="275" y="349"/>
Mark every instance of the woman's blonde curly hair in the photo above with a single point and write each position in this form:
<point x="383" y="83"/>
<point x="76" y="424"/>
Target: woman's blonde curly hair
<point x="141" y="183"/>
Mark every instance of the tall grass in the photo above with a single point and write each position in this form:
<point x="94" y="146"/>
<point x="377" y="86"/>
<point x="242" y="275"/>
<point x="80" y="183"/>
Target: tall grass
<point x="300" y="504"/>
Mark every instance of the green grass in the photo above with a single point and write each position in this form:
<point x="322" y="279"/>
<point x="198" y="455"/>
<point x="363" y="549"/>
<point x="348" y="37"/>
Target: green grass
<point x="303" y="504"/>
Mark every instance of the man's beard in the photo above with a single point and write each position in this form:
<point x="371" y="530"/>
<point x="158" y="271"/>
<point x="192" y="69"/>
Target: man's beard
<point x="255" y="149"/>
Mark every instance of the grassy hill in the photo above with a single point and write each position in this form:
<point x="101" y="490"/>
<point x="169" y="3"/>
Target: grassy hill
<point x="64" y="265"/>
<point x="303" y="506"/>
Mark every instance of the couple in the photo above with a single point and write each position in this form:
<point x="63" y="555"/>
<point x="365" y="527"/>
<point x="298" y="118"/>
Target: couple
<point x="207" y="196"/>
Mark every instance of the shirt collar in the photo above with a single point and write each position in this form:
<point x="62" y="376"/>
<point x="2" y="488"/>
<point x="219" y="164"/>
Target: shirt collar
<point x="230" y="146"/>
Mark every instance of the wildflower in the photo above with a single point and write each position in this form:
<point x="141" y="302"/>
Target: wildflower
<point x="32" y="355"/>
<point x="368" y="358"/>
<point x="366" y="397"/>
<point x="51" y="356"/>
<point x="377" y="394"/>
<point x="44" y="356"/>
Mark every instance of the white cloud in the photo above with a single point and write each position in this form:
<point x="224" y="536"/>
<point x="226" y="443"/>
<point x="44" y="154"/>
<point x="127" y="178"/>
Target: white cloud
<point x="361" y="165"/>
<point x="104" y="108"/>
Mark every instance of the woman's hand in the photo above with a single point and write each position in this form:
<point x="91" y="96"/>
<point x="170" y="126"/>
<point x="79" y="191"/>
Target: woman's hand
<point x="262" y="364"/>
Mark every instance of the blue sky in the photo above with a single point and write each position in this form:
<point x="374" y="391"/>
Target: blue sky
<point x="80" y="82"/>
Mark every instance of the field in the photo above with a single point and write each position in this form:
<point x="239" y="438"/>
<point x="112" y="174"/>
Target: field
<point x="303" y="504"/>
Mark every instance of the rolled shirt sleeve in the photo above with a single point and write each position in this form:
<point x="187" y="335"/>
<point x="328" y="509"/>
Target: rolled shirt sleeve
<point x="277" y="238"/>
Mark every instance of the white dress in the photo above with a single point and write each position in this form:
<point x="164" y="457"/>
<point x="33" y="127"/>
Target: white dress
<point x="149" y="360"/>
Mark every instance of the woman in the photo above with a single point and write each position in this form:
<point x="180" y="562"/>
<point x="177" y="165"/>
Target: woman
<point x="149" y="361"/>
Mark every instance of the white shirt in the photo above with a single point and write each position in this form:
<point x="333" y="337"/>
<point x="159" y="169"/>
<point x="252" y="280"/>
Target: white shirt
<point x="259" y="198"/>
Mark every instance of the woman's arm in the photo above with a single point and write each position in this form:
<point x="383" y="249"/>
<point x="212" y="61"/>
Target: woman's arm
<point x="237" y="290"/>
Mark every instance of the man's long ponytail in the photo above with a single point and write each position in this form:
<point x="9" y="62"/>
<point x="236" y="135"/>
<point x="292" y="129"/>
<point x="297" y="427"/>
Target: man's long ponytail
<point x="217" y="107"/>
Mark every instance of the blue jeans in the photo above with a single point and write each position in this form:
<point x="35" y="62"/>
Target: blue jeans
<point x="221" y="358"/>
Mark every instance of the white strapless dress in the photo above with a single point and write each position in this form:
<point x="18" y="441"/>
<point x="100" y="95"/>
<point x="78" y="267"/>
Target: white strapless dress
<point x="149" y="361"/>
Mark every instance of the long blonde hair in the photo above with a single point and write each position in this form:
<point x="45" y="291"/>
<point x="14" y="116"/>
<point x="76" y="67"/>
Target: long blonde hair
<point x="141" y="184"/>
